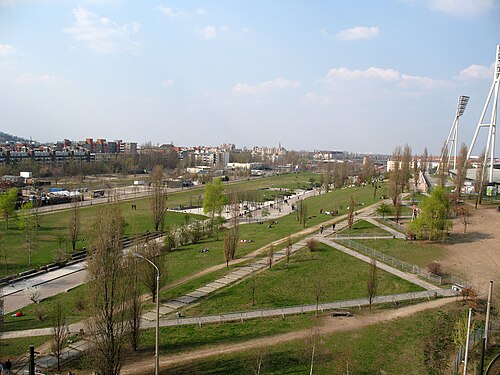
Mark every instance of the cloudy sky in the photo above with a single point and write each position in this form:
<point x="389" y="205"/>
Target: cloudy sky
<point x="344" y="75"/>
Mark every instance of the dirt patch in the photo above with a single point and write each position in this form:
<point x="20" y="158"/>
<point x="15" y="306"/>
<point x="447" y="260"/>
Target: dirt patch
<point x="475" y="255"/>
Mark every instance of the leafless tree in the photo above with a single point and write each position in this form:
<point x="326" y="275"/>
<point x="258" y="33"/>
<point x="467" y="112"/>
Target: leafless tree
<point x="480" y="179"/>
<point x="461" y="171"/>
<point x="158" y="198"/>
<point x="253" y="286"/>
<point x="33" y="293"/>
<point x="405" y="167"/>
<point x="152" y="250"/>
<point x="258" y="362"/>
<point x="288" y="249"/>
<point x="395" y="176"/>
<point x="74" y="223"/>
<point x="59" y="331"/>
<point x="134" y="319"/>
<point x="350" y="214"/>
<point x="270" y="255"/>
<point x="423" y="160"/>
<point x="443" y="166"/>
<point x="107" y="292"/>
<point x="317" y="284"/>
<point x="372" y="282"/>
<point x="464" y="215"/>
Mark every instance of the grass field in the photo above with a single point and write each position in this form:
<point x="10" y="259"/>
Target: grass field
<point x="14" y="256"/>
<point x="14" y="348"/>
<point x="364" y="228"/>
<point x="419" y="253"/>
<point x="415" y="345"/>
<point x="341" y="278"/>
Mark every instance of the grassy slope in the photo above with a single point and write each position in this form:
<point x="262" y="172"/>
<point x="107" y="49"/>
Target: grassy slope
<point x="342" y="277"/>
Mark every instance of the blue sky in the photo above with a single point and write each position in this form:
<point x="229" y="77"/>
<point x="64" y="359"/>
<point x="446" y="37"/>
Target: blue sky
<point x="363" y="76"/>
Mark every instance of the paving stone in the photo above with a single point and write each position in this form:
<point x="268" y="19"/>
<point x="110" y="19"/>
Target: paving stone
<point x="197" y="294"/>
<point x="150" y="315"/>
<point x="165" y="310"/>
<point x="174" y="304"/>
<point x="206" y="289"/>
<point x="185" y="299"/>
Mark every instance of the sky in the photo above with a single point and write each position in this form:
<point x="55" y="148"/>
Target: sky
<point x="360" y="76"/>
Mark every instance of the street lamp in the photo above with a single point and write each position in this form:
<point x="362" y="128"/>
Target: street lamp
<point x="157" y="354"/>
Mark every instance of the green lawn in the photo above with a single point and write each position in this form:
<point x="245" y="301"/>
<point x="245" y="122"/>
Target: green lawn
<point x="73" y="302"/>
<point x="415" y="345"/>
<point x="364" y="228"/>
<point x="14" y="348"/>
<point x="419" y="253"/>
<point x="342" y="278"/>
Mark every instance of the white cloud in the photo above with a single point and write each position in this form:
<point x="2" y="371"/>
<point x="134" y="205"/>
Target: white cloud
<point x="358" y="33"/>
<point x="264" y="87"/>
<point x="475" y="71"/>
<point x="6" y="49"/>
<point x="460" y="8"/>
<point x="387" y="75"/>
<point x="201" y="12"/>
<point x="167" y="82"/>
<point x="208" y="32"/>
<point x="101" y="33"/>
<point x="170" y="12"/>
<point x="28" y="79"/>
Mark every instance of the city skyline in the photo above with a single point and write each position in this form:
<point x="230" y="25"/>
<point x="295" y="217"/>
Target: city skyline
<point x="351" y="76"/>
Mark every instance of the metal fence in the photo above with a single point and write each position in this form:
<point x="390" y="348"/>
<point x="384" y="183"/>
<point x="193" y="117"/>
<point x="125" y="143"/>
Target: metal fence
<point x="475" y="338"/>
<point x="408" y="267"/>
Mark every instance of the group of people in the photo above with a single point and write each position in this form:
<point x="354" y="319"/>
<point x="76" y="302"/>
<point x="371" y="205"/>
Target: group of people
<point x="6" y="367"/>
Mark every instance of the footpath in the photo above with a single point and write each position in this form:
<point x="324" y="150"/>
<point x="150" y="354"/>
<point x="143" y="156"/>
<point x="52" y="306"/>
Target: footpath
<point x="168" y="308"/>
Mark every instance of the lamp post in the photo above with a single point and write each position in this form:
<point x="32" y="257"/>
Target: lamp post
<point x="157" y="354"/>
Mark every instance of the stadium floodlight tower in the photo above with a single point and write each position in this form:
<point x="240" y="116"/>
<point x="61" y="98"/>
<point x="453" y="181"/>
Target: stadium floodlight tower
<point x="453" y="135"/>
<point x="490" y="143"/>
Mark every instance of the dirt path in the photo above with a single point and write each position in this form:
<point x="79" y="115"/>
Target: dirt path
<point x="328" y="325"/>
<point x="475" y="255"/>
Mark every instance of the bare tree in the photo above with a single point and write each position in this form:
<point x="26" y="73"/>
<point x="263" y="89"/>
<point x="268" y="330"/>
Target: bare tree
<point x="59" y="331"/>
<point x="405" y="167"/>
<point x="74" y="223"/>
<point x="350" y="214"/>
<point x="134" y="319"/>
<point x="395" y="176"/>
<point x="288" y="249"/>
<point x="317" y="284"/>
<point x="253" y="286"/>
<point x="33" y="293"/>
<point x="372" y="282"/>
<point x="107" y="292"/>
<point x="424" y="160"/>
<point x="464" y="215"/>
<point x="443" y="166"/>
<point x="28" y="224"/>
<point x="158" y="198"/>
<point x="480" y="179"/>
<point x="258" y="362"/>
<point x="461" y="171"/>
<point x="152" y="250"/>
<point x="270" y="255"/>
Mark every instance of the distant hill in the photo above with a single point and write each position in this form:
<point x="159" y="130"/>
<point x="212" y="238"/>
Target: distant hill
<point x="4" y="137"/>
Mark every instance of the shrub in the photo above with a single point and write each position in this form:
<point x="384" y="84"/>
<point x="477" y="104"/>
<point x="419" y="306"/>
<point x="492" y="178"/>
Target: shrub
<point x="435" y="268"/>
<point x="40" y="312"/>
<point x="312" y="244"/>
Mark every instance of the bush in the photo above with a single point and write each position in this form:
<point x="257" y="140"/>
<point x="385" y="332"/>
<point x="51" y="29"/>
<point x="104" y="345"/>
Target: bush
<point x="312" y="244"/>
<point x="435" y="268"/>
<point x="40" y="312"/>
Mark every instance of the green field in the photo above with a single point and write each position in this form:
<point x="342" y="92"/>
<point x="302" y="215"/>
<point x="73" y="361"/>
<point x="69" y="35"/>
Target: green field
<point x="364" y="228"/>
<point x="14" y="256"/>
<point x="341" y="277"/>
<point x="415" y="345"/>
<point x="419" y="253"/>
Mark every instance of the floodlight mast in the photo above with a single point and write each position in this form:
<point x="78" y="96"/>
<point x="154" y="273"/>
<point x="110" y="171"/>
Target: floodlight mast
<point x="453" y="135"/>
<point x="490" y="143"/>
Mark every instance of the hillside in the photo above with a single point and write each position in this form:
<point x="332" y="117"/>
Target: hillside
<point x="4" y="137"/>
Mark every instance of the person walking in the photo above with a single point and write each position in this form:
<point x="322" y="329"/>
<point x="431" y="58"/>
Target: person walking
<point x="321" y="229"/>
<point x="1" y="368"/>
<point x="7" y="367"/>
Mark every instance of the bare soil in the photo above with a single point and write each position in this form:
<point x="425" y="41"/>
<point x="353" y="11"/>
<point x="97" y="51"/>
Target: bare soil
<point x="475" y="255"/>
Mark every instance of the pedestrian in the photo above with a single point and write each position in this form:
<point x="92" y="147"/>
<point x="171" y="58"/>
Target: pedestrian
<point x="321" y="229"/>
<point x="333" y="226"/>
<point x="7" y="367"/>
<point x="1" y="368"/>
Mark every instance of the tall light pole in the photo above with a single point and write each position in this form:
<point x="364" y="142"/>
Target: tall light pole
<point x="157" y="341"/>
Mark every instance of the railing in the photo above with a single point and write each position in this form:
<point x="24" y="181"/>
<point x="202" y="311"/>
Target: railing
<point x="408" y="267"/>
